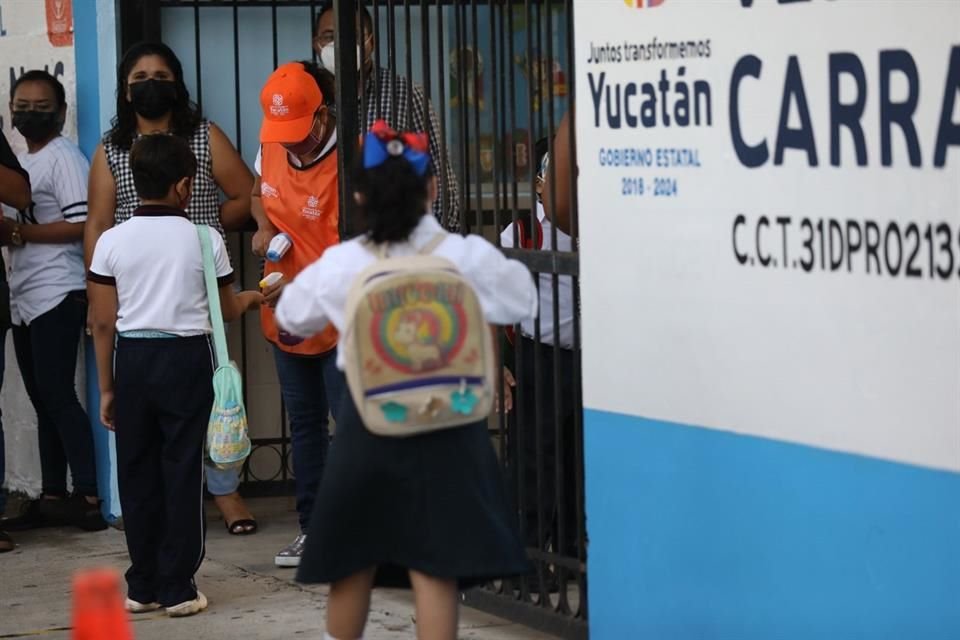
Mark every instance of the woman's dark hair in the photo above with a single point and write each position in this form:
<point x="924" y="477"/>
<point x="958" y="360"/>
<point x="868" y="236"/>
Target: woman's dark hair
<point x="39" y="75"/>
<point x="158" y="161"/>
<point x="185" y="117"/>
<point x="366" y="19"/>
<point x="324" y="80"/>
<point x="393" y="198"/>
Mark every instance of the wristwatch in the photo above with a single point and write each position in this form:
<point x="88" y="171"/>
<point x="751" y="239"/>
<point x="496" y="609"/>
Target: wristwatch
<point x="15" y="238"/>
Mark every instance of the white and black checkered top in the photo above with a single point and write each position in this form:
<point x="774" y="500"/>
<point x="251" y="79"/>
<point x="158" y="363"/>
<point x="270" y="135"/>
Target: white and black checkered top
<point x="204" y="206"/>
<point x="406" y="119"/>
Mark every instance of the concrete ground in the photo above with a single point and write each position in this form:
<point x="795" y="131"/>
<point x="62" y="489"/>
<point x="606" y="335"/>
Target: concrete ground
<point x="249" y="597"/>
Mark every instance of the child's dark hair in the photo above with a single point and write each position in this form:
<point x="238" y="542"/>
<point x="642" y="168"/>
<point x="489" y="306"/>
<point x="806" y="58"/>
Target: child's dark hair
<point x="541" y="149"/>
<point x="158" y="161"/>
<point x="392" y="200"/>
<point x="40" y="75"/>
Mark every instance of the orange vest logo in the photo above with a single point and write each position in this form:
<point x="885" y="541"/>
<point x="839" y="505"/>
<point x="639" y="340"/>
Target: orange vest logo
<point x="311" y="210"/>
<point x="267" y="190"/>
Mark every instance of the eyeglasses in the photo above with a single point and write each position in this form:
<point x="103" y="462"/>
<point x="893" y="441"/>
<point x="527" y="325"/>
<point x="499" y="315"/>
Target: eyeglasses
<point x="327" y="38"/>
<point x="544" y="167"/>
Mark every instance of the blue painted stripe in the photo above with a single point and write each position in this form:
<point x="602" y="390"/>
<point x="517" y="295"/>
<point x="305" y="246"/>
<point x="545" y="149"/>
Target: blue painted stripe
<point x="86" y="52"/>
<point x="88" y="75"/>
<point x="696" y="533"/>
<point x="104" y="441"/>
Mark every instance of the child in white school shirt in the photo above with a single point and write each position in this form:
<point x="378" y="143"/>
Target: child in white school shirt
<point x="427" y="511"/>
<point x="547" y="447"/>
<point x="147" y="288"/>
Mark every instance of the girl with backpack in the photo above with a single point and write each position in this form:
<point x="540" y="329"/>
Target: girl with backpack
<point x="428" y="510"/>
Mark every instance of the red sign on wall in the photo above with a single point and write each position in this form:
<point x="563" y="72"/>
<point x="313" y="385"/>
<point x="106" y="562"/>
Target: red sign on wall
<point x="60" y="22"/>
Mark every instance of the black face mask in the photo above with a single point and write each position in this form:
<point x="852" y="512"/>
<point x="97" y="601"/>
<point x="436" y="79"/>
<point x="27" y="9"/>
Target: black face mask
<point x="153" y="98"/>
<point x="36" y="126"/>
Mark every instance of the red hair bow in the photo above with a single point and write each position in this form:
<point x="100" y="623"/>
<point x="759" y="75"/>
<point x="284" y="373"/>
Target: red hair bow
<point x="383" y="142"/>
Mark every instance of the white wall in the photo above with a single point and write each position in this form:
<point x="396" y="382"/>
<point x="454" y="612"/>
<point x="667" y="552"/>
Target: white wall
<point x="25" y="42"/>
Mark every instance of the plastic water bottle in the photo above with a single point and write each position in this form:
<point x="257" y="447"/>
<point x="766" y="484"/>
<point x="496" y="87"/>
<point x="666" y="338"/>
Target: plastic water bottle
<point x="279" y="246"/>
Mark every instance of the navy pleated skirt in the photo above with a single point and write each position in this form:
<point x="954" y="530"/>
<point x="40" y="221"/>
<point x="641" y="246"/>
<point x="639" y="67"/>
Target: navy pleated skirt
<point x="434" y="503"/>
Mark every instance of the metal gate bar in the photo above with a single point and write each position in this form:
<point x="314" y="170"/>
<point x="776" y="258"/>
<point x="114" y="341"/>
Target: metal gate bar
<point x="546" y="600"/>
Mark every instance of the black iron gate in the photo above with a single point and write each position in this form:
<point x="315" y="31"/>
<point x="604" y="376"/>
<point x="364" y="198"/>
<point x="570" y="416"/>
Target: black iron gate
<point x="496" y="76"/>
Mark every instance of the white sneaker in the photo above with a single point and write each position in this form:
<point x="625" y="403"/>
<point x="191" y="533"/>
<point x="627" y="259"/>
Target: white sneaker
<point x="290" y="555"/>
<point x="188" y="608"/>
<point x="132" y="606"/>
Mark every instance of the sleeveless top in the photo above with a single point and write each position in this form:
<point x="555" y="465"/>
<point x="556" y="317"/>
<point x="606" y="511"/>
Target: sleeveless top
<point x="204" y="205"/>
<point x="304" y="204"/>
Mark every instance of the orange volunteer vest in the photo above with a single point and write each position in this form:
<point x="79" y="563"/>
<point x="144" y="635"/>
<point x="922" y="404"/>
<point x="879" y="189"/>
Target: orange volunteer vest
<point x="304" y="204"/>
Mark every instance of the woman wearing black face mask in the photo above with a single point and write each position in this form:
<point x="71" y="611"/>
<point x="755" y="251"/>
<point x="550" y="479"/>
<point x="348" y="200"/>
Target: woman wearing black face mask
<point x="152" y="97"/>
<point x="48" y="303"/>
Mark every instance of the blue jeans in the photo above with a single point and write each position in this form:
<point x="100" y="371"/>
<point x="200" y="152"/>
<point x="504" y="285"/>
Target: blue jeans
<point x="47" y="351"/>
<point x="311" y="387"/>
<point x="221" y="482"/>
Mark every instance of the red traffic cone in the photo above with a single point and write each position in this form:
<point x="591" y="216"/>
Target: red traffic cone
<point x="98" y="611"/>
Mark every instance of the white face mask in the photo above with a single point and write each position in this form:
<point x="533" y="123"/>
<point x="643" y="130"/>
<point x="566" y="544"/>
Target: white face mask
<point x="328" y="58"/>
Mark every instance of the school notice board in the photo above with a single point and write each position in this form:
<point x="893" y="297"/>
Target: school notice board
<point x="769" y="197"/>
<point x="776" y="190"/>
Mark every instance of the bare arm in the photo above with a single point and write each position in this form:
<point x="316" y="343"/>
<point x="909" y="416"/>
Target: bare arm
<point x="265" y="228"/>
<point x="101" y="203"/>
<point x="233" y="305"/>
<point x="53" y="233"/>
<point x="14" y="188"/>
<point x="233" y="177"/>
<point x="557" y="197"/>
<point x="103" y="311"/>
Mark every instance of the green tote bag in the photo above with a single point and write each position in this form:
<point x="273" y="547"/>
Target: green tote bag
<point x="228" y="441"/>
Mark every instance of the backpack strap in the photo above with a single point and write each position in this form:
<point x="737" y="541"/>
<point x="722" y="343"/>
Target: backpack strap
<point x="213" y="295"/>
<point x="433" y="244"/>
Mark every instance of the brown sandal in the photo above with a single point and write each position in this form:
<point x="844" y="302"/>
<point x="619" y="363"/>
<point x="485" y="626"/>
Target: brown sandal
<point x="243" y="522"/>
<point x="246" y="527"/>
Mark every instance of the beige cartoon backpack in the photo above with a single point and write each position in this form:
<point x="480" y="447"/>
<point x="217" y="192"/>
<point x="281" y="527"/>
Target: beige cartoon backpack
<point x="419" y="353"/>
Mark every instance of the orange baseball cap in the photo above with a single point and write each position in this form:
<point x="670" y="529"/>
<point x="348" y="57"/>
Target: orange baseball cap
<point x="289" y="100"/>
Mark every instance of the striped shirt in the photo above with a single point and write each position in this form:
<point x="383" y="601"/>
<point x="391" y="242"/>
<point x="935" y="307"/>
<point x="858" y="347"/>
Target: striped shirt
<point x="41" y="275"/>
<point x="404" y="119"/>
